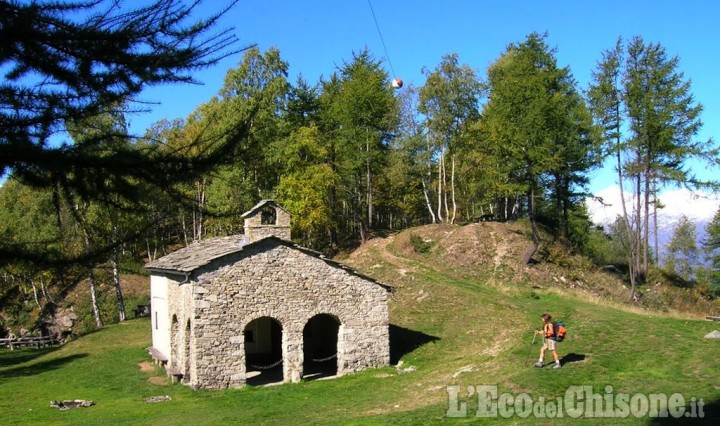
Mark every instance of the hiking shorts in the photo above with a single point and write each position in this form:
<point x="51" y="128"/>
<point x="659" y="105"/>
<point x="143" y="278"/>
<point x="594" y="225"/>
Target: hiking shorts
<point x="550" y="344"/>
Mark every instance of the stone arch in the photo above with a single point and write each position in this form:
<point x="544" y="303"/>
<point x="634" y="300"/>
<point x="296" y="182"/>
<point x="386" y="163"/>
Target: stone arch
<point x="268" y="216"/>
<point x="174" y="335"/>
<point x="320" y="346"/>
<point x="264" y="357"/>
<point x="186" y="353"/>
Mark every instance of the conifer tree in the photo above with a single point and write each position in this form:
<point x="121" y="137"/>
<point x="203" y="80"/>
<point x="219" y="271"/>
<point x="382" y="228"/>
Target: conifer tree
<point x="536" y="126"/>
<point x="650" y="120"/>
<point x="72" y="61"/>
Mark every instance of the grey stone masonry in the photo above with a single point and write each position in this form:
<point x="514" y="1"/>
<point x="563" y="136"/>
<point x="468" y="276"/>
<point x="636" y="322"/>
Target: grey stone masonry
<point x="266" y="219"/>
<point x="272" y="279"/>
<point x="222" y="290"/>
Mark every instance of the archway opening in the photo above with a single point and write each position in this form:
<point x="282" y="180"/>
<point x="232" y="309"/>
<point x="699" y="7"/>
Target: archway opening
<point x="186" y="353"/>
<point x="174" y="335"/>
<point x="268" y="216"/>
<point x="263" y="351"/>
<point x="320" y="344"/>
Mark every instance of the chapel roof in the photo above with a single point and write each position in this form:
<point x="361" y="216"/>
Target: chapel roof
<point x="197" y="254"/>
<point x="201" y="253"/>
<point x="261" y="204"/>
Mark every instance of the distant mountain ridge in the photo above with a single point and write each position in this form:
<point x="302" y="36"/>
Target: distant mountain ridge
<point x="699" y="207"/>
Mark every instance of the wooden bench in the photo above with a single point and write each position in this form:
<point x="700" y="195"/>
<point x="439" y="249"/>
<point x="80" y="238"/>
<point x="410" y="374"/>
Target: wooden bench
<point x="142" y="311"/>
<point x="485" y="218"/>
<point x="157" y="356"/>
<point x="174" y="374"/>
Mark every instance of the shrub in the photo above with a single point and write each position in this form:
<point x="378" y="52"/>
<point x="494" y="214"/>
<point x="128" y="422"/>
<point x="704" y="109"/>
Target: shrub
<point x="420" y="245"/>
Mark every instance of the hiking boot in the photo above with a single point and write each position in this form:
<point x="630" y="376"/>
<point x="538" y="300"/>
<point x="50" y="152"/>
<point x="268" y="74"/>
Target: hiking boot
<point x="557" y="365"/>
<point x="539" y="364"/>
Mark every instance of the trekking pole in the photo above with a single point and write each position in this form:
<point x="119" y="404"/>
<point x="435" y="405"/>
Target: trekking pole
<point x="530" y="350"/>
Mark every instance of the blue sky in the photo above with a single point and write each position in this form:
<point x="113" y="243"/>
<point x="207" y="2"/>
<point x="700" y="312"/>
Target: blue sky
<point x="315" y="36"/>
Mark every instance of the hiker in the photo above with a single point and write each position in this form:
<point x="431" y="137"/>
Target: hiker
<point x="548" y="332"/>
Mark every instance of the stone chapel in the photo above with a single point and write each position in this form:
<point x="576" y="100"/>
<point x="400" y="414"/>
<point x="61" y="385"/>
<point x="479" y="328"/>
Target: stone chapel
<point x="257" y="308"/>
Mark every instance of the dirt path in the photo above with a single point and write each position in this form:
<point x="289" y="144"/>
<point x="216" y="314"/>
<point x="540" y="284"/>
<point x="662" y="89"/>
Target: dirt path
<point x="401" y="264"/>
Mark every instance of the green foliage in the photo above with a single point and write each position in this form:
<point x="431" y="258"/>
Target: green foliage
<point x="347" y="155"/>
<point x="449" y="103"/>
<point x="84" y="61"/>
<point x="711" y="247"/>
<point x="420" y="245"/>
<point x="538" y="129"/>
<point x="682" y="253"/>
<point x="606" y="248"/>
<point x="306" y="184"/>
<point x="649" y="121"/>
<point x="357" y="116"/>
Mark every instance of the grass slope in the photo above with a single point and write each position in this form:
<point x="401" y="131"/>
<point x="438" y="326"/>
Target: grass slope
<point x="454" y="327"/>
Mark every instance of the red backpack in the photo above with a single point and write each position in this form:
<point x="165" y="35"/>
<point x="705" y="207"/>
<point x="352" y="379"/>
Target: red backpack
<point x="560" y="331"/>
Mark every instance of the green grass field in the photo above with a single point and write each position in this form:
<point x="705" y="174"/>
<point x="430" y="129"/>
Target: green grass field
<point x="454" y="331"/>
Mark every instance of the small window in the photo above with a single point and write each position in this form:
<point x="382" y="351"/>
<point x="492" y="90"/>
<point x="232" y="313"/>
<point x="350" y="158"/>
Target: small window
<point x="268" y="216"/>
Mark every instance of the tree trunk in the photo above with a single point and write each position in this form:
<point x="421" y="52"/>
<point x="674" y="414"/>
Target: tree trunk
<point x="35" y="294"/>
<point x="427" y="202"/>
<point x="118" y="287"/>
<point x="441" y="163"/>
<point x="445" y="191"/>
<point x="93" y="299"/>
<point x="655" y="224"/>
<point x="91" y="277"/>
<point x="646" y="223"/>
<point x="369" y="180"/>
<point x="334" y="240"/>
<point x="452" y="187"/>
<point x="628" y="229"/>
<point x="151" y="253"/>
<point x="639" y="228"/>
<point x="201" y="200"/>
<point x="184" y="226"/>
<point x="45" y="291"/>
<point x="359" y="218"/>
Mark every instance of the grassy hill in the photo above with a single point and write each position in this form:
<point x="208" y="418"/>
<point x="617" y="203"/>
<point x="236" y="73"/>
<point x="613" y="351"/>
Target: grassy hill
<point x="462" y="315"/>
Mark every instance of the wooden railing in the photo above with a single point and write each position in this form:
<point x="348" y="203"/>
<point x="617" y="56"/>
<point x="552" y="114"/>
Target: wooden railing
<point x="142" y="311"/>
<point x="19" y="342"/>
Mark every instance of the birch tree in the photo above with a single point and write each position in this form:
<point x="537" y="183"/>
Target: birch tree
<point x="449" y="102"/>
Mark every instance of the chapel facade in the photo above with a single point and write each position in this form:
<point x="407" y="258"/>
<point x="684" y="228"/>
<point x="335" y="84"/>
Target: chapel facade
<point x="257" y="308"/>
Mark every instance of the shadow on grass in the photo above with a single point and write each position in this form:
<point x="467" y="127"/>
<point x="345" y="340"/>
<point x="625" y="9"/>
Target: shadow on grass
<point x="40" y="367"/>
<point x="403" y="341"/>
<point x="20" y="356"/>
<point x="572" y="357"/>
<point x="710" y="412"/>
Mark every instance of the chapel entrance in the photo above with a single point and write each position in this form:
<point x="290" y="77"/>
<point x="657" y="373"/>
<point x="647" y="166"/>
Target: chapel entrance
<point x="263" y="351"/>
<point x="320" y="347"/>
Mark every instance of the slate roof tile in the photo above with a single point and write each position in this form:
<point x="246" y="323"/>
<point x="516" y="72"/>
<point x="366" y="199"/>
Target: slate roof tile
<point x="198" y="254"/>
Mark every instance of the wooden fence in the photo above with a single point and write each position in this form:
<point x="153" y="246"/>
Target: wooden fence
<point x="19" y="342"/>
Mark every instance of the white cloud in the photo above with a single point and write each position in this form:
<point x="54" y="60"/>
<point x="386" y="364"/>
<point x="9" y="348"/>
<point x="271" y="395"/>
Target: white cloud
<point x="698" y="206"/>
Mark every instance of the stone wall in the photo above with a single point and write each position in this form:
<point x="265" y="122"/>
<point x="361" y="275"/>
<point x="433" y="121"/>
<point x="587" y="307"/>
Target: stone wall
<point x="181" y="312"/>
<point x="256" y="230"/>
<point x="270" y="279"/>
<point x="262" y="231"/>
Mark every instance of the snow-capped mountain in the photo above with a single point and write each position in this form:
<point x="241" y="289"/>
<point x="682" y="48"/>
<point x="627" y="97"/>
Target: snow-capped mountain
<point x="699" y="207"/>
